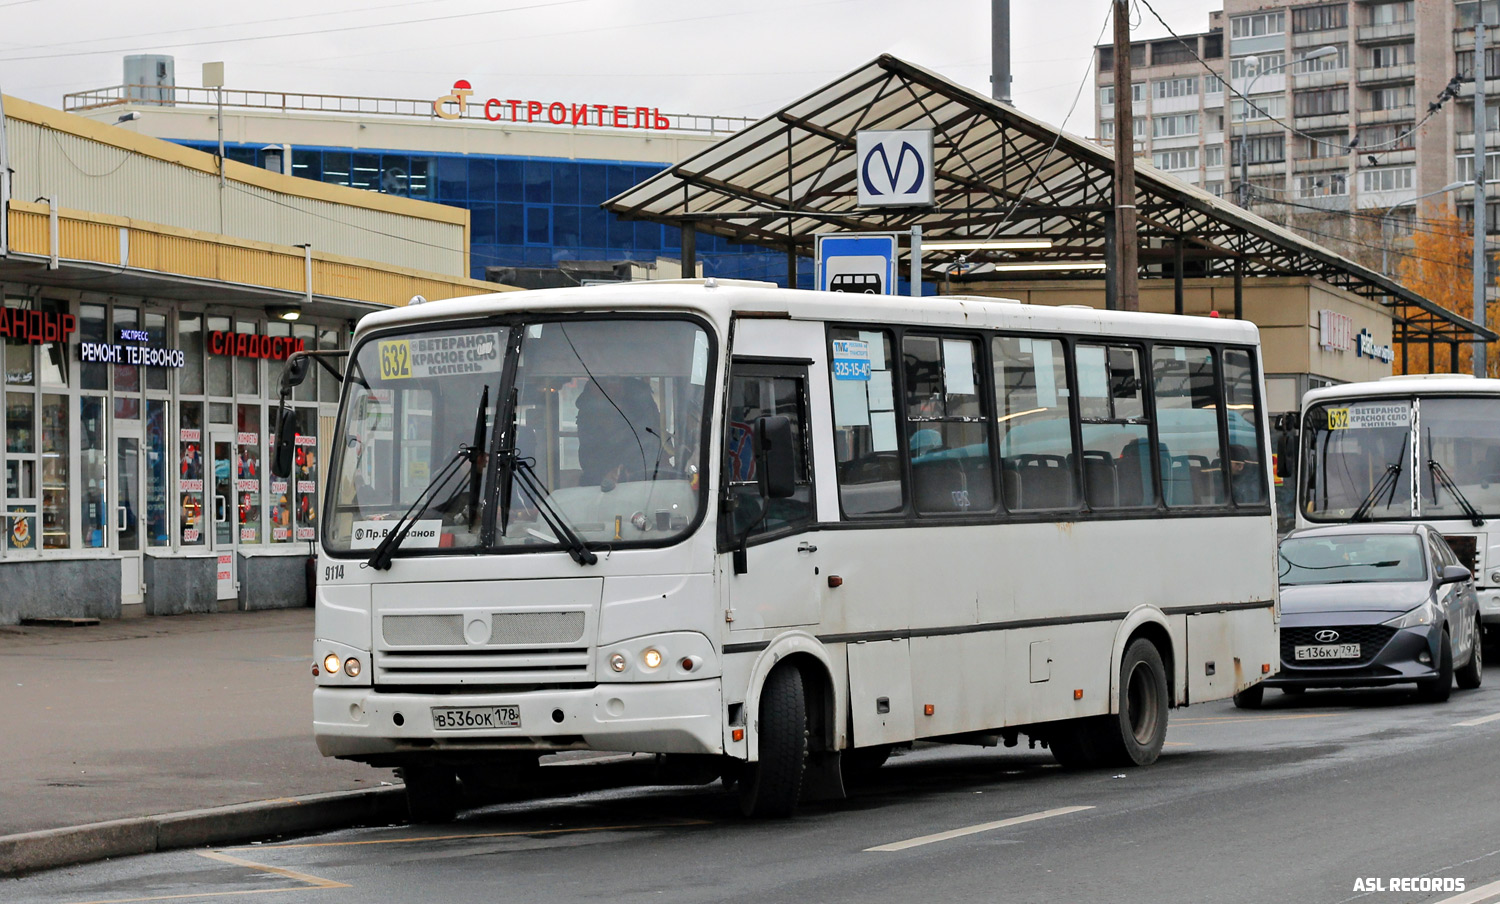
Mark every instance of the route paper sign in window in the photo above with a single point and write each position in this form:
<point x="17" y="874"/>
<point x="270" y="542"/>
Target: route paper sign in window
<point x="1364" y="417"/>
<point x="851" y="359"/>
<point x="440" y="356"/>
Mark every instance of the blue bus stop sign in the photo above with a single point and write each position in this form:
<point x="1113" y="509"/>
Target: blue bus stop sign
<point x="860" y="263"/>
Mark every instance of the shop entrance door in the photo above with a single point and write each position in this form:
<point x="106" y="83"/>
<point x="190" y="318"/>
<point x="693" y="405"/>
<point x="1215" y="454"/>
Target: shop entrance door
<point x="129" y="544"/>
<point x="225" y="536"/>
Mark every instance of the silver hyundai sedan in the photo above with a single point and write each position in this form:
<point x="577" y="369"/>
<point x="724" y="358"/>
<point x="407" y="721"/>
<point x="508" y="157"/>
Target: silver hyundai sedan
<point x="1367" y="605"/>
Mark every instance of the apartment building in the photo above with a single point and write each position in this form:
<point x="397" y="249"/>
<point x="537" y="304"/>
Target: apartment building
<point x="1339" y="118"/>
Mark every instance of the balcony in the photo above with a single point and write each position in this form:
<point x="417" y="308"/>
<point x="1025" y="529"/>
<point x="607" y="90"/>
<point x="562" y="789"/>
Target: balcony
<point x="1464" y="140"/>
<point x="1376" y="117"/>
<point x="1376" y="75"/>
<point x="1321" y="164"/>
<point x="1320" y="38"/>
<point x="1322" y="122"/>
<point x="1324" y="79"/>
<point x="1375" y="34"/>
<point x="1326" y="202"/>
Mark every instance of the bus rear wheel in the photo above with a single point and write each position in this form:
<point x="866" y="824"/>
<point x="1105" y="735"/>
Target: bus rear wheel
<point x="771" y="787"/>
<point x="1134" y="735"/>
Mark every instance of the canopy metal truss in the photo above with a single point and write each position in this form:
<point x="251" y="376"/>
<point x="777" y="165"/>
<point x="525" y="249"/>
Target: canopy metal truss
<point x="998" y="174"/>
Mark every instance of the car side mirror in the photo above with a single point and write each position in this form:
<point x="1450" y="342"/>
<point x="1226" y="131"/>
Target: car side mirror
<point x="1454" y="574"/>
<point x="286" y="443"/>
<point x="776" y="461"/>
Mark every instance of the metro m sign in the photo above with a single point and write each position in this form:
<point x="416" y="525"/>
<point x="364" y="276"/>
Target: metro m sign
<point x="894" y="169"/>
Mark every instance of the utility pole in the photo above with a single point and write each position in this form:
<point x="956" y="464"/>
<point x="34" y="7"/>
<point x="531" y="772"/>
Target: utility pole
<point x="1000" y="50"/>
<point x="1127" y="292"/>
<point x="1481" y="268"/>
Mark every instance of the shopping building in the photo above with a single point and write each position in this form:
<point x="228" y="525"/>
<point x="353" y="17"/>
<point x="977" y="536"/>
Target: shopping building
<point x="150" y="301"/>
<point x="533" y="174"/>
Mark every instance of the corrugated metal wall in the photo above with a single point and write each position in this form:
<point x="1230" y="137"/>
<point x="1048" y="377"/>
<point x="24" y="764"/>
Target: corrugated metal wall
<point x="88" y="175"/>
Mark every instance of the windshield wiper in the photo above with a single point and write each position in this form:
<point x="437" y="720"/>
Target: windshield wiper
<point x="380" y="559"/>
<point x="520" y="470"/>
<point x="1442" y="478"/>
<point x="1386" y="484"/>
<point x="476" y="476"/>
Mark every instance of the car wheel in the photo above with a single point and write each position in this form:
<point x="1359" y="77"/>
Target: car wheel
<point x="431" y="793"/>
<point x="772" y="786"/>
<point x="1250" y="697"/>
<point x="1472" y="674"/>
<point x="1437" y="690"/>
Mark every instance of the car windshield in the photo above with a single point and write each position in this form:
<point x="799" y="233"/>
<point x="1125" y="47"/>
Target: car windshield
<point x="608" y="413"/>
<point x="1352" y="559"/>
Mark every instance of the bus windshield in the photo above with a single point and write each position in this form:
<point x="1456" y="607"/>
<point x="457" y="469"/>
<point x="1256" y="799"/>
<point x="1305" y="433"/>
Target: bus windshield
<point x="606" y="414"/>
<point x="1461" y="441"/>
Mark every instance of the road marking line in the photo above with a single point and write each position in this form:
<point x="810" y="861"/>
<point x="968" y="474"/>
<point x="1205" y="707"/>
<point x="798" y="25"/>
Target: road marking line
<point x="310" y="882"/>
<point x="459" y="837"/>
<point x="1230" y="720"/>
<point x="974" y="830"/>
<point x="1479" y="721"/>
<point x="1473" y="895"/>
<point x="1176" y="744"/>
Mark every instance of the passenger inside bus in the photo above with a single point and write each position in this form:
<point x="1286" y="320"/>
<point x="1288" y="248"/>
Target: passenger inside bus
<point x="619" y="437"/>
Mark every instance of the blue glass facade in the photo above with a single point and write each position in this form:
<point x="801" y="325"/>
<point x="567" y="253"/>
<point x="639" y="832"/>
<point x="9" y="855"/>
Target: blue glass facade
<point x="528" y="211"/>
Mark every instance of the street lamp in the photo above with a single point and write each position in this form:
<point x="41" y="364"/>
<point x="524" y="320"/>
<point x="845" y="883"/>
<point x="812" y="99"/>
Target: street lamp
<point x="1252" y="64"/>
<point x="1386" y="217"/>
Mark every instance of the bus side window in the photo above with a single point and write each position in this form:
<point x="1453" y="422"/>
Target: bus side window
<point x="1116" y="437"/>
<point x="865" y="442"/>
<point x="1032" y="395"/>
<point x="759" y="391"/>
<point x="1247" y="477"/>
<point x="946" y="425"/>
<point x="1187" y="421"/>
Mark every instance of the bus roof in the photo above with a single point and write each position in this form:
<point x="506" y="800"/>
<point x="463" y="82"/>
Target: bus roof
<point x="719" y="300"/>
<point x="1406" y="385"/>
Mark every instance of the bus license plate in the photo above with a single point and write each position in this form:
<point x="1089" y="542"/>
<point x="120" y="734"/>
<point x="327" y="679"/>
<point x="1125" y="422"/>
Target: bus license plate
<point x="467" y="718"/>
<point x="1326" y="651"/>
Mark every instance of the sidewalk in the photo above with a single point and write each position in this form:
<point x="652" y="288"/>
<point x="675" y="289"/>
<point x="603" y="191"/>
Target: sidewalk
<point x="158" y="715"/>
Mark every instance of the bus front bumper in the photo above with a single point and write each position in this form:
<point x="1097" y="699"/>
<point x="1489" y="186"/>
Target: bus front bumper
<point x="664" y="717"/>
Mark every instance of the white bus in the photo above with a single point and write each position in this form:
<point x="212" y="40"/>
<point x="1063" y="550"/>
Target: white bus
<point x="1362" y="444"/>
<point x="780" y="532"/>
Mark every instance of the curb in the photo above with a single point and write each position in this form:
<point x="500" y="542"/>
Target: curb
<point x="32" y="851"/>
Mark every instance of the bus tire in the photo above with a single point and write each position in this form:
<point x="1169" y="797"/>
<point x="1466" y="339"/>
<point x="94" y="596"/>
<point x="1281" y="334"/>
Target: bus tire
<point x="861" y="763"/>
<point x="431" y="793"/>
<point x="1471" y="675"/>
<point x="1075" y="743"/>
<point x="1439" y="689"/>
<point x="1134" y="735"/>
<point x="771" y="787"/>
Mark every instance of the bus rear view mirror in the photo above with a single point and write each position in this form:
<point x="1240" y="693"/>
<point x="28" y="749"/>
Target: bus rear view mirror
<point x="295" y="372"/>
<point x="776" y="462"/>
<point x="286" y="443"/>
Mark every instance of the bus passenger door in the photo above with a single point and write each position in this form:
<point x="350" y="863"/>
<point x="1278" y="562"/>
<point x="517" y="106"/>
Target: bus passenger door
<point x="779" y="587"/>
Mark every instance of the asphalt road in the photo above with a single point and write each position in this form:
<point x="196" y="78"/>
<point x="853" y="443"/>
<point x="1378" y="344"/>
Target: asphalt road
<point x="1295" y="803"/>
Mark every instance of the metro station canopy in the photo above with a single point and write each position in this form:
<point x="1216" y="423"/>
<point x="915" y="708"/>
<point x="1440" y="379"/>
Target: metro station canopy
<point x="999" y="174"/>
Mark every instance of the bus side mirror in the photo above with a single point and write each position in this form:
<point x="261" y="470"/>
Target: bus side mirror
<point x="1288" y="434"/>
<point x="294" y="372"/>
<point x="286" y="443"/>
<point x="776" y="463"/>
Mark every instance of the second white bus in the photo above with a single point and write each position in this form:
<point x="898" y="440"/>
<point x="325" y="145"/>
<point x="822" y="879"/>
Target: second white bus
<point x="782" y="532"/>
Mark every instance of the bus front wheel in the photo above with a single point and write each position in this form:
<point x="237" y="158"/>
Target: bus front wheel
<point x="772" y="786"/>
<point x="1134" y="735"/>
<point x="431" y="793"/>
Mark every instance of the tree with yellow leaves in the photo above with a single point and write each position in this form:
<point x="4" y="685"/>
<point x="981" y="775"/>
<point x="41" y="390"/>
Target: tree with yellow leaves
<point x="1440" y="267"/>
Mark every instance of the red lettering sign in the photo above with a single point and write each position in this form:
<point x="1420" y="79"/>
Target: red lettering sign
<point x="616" y="116"/>
<point x="36" y="327"/>
<point x="251" y="345"/>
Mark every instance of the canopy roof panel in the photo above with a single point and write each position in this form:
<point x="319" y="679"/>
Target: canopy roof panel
<point x="998" y="174"/>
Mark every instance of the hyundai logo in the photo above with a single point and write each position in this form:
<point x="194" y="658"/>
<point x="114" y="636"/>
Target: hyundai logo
<point x="1326" y="636"/>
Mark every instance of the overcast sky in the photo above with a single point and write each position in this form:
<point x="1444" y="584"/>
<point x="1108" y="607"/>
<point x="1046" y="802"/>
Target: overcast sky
<point x="734" y="57"/>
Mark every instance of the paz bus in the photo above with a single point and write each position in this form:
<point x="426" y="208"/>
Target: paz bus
<point x="777" y="533"/>
<point x="1422" y="447"/>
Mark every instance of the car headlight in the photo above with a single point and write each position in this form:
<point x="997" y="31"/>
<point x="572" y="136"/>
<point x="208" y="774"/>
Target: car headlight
<point x="1422" y="615"/>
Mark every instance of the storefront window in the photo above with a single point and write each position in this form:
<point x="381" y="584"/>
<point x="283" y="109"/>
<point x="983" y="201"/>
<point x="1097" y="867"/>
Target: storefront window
<point x="307" y="390"/>
<point x="20" y="440"/>
<point x="19" y="370"/>
<point x="55" y="472"/>
<point x="218" y="365"/>
<point x="190" y="340"/>
<point x="281" y="492"/>
<point x="158" y="527"/>
<point x="328" y="387"/>
<point x="93" y="326"/>
<point x="127" y="408"/>
<point x="247" y="473"/>
<point x="274" y="367"/>
<point x="305" y="471"/>
<point x="53" y="357"/>
<point x="246" y="370"/>
<point x="190" y="472"/>
<point x="127" y="376"/>
<point x="93" y="467"/>
<point x="156" y="329"/>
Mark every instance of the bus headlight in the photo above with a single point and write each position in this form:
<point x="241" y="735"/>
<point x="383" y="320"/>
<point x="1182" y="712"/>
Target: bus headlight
<point x="674" y="656"/>
<point x="331" y="663"/>
<point x="351" y="667"/>
<point x="617" y="662"/>
<point x="652" y="659"/>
